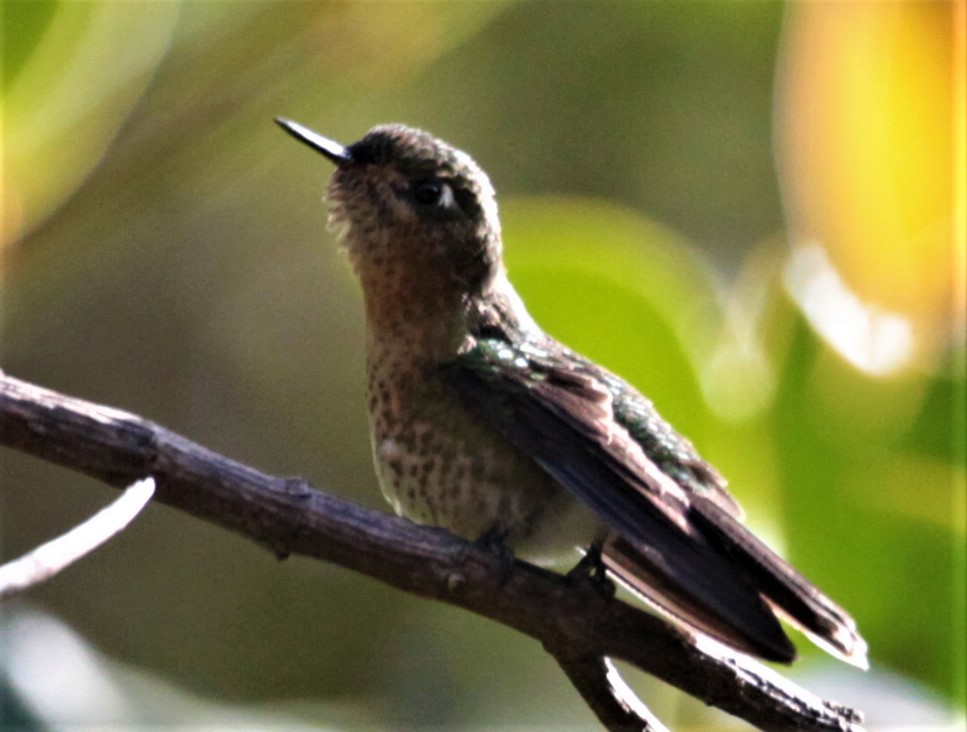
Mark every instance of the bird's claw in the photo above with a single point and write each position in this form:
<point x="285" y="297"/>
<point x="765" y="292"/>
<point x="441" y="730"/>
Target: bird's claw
<point x="591" y="570"/>
<point x="494" y="540"/>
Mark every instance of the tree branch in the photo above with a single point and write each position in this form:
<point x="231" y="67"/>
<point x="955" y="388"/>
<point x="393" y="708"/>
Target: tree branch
<point x="615" y="705"/>
<point x="577" y="623"/>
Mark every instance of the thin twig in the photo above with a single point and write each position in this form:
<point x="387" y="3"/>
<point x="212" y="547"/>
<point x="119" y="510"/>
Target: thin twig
<point x="611" y="699"/>
<point x="573" y="620"/>
<point x="48" y="559"/>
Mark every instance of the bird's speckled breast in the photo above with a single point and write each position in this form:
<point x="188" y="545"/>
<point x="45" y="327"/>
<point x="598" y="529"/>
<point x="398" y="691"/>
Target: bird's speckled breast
<point x="439" y="464"/>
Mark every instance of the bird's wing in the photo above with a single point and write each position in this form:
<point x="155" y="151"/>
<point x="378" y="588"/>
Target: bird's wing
<point x="681" y="547"/>
<point x="563" y="418"/>
<point x="661" y="442"/>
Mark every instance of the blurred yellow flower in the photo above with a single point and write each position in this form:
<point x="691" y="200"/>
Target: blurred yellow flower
<point x="867" y="99"/>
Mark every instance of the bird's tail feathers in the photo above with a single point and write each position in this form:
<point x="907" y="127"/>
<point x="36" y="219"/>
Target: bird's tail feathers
<point x="749" y="626"/>
<point x="784" y="588"/>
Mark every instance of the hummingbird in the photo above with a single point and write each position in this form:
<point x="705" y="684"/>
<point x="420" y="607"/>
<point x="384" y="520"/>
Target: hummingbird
<point x="483" y="424"/>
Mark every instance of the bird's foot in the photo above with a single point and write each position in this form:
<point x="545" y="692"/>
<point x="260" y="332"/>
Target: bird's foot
<point x="591" y="570"/>
<point x="494" y="540"/>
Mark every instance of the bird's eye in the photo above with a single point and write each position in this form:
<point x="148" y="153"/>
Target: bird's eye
<point x="432" y="193"/>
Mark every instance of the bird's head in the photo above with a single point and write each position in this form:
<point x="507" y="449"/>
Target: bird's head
<point x="404" y="202"/>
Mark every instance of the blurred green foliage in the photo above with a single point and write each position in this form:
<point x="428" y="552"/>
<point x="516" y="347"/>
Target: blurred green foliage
<point x="165" y="252"/>
<point x="30" y="20"/>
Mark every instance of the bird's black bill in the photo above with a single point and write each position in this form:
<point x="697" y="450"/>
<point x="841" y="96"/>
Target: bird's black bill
<point x="333" y="150"/>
